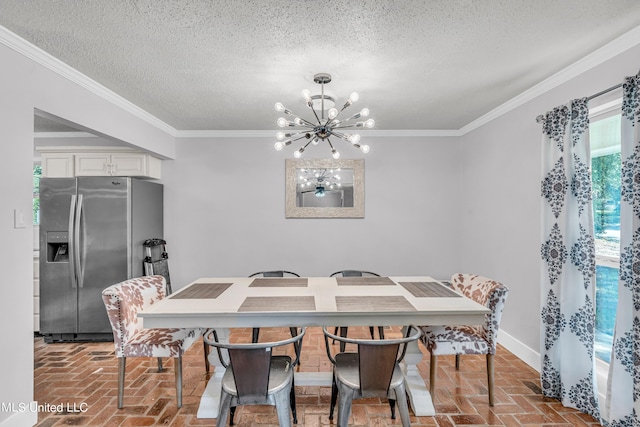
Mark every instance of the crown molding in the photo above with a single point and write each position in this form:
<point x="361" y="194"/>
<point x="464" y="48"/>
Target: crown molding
<point x="597" y="57"/>
<point x="378" y="133"/>
<point x="25" y="48"/>
<point x="608" y="51"/>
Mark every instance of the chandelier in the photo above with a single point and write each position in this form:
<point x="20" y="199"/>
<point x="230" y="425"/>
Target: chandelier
<point x="319" y="180"/>
<point x="315" y="132"/>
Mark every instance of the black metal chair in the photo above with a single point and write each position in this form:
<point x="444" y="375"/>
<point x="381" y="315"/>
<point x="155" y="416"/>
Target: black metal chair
<point x="255" y="376"/>
<point x="373" y="371"/>
<point x="356" y="273"/>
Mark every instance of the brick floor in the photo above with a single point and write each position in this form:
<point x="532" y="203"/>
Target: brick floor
<point x="82" y="377"/>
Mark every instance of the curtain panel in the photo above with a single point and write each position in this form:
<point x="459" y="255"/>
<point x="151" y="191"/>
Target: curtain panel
<point x="568" y="260"/>
<point x="623" y="387"/>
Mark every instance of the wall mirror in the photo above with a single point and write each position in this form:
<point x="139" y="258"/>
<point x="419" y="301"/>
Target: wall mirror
<point x="324" y="188"/>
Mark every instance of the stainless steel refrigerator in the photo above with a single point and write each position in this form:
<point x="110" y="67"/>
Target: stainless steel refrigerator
<point x="91" y="235"/>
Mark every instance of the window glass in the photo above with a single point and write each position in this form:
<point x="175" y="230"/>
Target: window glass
<point x="604" y="134"/>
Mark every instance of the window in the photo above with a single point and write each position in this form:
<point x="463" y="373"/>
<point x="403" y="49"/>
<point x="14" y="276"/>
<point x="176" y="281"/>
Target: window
<point x="37" y="174"/>
<point x="606" y="165"/>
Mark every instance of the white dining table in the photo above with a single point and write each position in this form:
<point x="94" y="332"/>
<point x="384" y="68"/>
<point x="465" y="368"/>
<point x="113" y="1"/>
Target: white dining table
<point x="224" y="303"/>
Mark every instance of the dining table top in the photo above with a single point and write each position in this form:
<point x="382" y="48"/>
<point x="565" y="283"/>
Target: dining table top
<point x="231" y="302"/>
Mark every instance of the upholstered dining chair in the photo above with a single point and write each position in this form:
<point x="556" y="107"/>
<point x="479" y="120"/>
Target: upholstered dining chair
<point x="276" y="273"/>
<point x="255" y="376"/>
<point x="475" y="339"/>
<point x="123" y="301"/>
<point x="373" y="371"/>
<point x="356" y="273"/>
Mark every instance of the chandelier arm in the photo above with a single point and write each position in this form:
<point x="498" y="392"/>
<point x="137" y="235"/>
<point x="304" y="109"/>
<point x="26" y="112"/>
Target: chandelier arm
<point x="306" y="124"/>
<point x="345" y="126"/>
<point x="341" y="136"/>
<point x="306" y="145"/>
<point x="297" y="133"/>
<point x="345" y="106"/>
<point x="314" y="113"/>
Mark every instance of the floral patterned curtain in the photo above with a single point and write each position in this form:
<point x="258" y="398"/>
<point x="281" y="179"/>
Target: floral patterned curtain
<point x="623" y="388"/>
<point x="568" y="267"/>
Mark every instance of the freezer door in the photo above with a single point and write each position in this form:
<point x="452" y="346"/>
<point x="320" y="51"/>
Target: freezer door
<point x="104" y="243"/>
<point x="58" y="299"/>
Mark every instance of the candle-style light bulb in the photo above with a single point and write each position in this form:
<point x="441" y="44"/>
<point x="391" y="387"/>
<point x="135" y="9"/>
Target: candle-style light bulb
<point x="364" y="148"/>
<point x="282" y="122"/>
<point x="279" y="107"/>
<point x="278" y="146"/>
<point x="370" y="123"/>
<point x="335" y="154"/>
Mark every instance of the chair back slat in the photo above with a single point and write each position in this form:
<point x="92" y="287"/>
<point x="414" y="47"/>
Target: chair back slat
<point x="275" y="273"/>
<point x="351" y="273"/>
<point x="376" y="365"/>
<point x="354" y="273"/>
<point x="251" y="373"/>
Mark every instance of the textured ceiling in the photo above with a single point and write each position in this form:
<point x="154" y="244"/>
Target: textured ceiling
<point x="221" y="65"/>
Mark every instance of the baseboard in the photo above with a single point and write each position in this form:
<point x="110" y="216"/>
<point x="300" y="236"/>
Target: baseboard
<point x="518" y="348"/>
<point x="532" y="358"/>
<point x="20" y="419"/>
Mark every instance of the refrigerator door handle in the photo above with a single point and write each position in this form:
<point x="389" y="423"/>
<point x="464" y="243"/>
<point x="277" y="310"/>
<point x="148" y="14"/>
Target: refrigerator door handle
<point x="71" y="243"/>
<point x="76" y="243"/>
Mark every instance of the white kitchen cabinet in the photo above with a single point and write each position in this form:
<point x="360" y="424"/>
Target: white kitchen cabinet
<point x="98" y="161"/>
<point x="117" y="164"/>
<point x="57" y="165"/>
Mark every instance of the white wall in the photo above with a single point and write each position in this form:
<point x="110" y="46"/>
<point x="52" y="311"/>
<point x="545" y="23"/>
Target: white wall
<point x="25" y="85"/>
<point x="225" y="216"/>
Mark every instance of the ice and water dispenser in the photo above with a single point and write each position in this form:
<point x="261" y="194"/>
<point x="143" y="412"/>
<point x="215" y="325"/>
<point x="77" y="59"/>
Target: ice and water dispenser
<point x="57" y="246"/>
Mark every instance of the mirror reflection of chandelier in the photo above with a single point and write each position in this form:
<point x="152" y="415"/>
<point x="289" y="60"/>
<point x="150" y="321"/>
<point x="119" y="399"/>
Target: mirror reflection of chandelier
<point x="319" y="180"/>
<point x="322" y="128"/>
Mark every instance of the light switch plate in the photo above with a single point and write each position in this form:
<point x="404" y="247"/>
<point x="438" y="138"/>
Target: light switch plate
<point x="19" y="220"/>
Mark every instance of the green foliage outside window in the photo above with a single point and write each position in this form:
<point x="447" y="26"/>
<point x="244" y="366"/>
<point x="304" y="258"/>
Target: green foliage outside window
<point x="37" y="174"/>
<point x="605" y="182"/>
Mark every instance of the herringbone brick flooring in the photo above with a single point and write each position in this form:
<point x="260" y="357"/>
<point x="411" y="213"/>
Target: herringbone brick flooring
<point x="82" y="377"/>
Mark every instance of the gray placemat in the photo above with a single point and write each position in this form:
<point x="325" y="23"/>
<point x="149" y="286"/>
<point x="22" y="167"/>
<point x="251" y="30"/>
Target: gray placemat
<point x="364" y="281"/>
<point x="429" y="290"/>
<point x="293" y="303"/>
<point x="202" y="291"/>
<point x="279" y="282"/>
<point x="373" y="303"/>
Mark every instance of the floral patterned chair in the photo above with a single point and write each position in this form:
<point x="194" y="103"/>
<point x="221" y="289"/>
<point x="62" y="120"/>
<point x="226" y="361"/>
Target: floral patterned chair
<point x="477" y="339"/>
<point x="123" y="301"/>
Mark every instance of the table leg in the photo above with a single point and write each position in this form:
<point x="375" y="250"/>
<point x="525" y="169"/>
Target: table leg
<point x="417" y="390"/>
<point x="210" y="401"/>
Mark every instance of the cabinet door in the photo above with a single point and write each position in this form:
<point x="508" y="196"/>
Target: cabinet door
<point x="93" y="164"/>
<point x="128" y="164"/>
<point x="57" y="165"/>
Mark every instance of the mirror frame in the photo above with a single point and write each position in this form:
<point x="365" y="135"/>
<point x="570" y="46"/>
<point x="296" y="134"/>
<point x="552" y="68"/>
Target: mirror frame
<point x="294" y="211"/>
